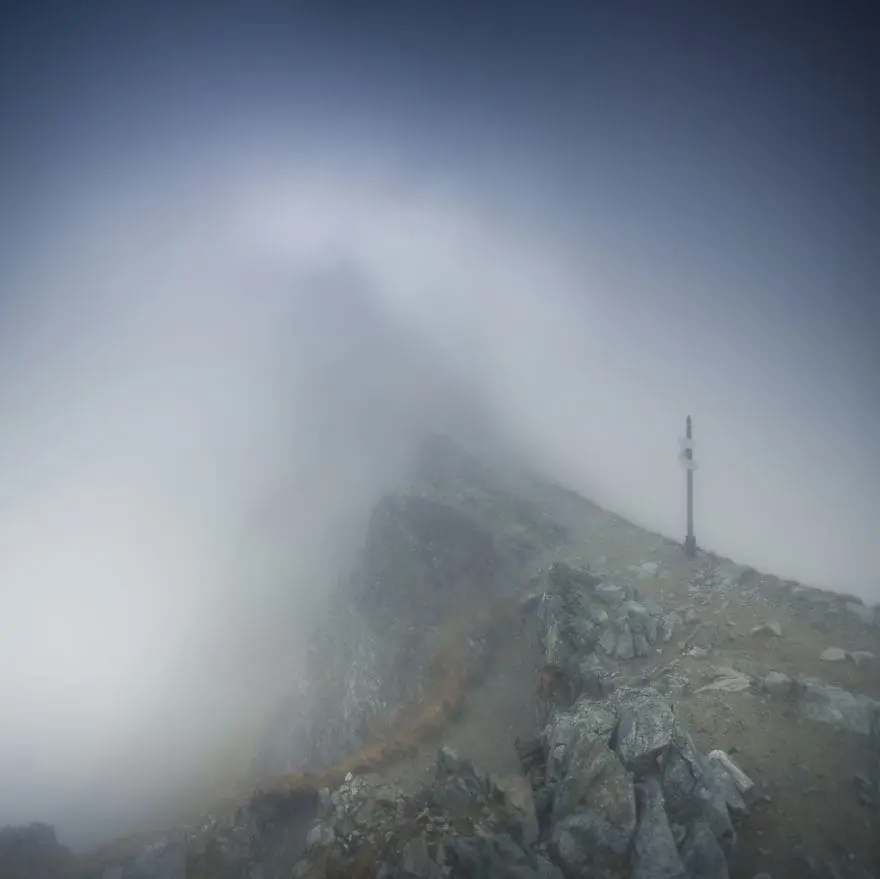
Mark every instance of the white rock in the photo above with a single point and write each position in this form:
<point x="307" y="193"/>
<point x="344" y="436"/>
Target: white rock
<point x="728" y="684"/>
<point x="833" y="654"/>
<point x="743" y="783"/>
<point x="773" y="629"/>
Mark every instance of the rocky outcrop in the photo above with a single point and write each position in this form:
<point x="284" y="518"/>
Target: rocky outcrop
<point x="589" y="627"/>
<point x="624" y="788"/>
<point x="434" y="560"/>
<point x="615" y="787"/>
<point x="464" y="824"/>
<point x="428" y="570"/>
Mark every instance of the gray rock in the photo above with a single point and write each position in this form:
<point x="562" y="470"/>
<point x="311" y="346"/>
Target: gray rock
<point x="572" y="730"/>
<point x="520" y="802"/>
<point x="608" y="642"/>
<point x="827" y="703"/>
<point x="625" y="648"/>
<point x="655" y="855"/>
<point x="593" y="807"/>
<point x="691" y="791"/>
<point x="646" y="570"/>
<point x="777" y="684"/>
<point x="833" y="654"/>
<point x="320" y="835"/>
<point x="645" y="729"/>
<point x="598" y="614"/>
<point x="702" y="855"/>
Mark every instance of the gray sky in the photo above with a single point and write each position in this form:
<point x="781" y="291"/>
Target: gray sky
<point x="248" y="258"/>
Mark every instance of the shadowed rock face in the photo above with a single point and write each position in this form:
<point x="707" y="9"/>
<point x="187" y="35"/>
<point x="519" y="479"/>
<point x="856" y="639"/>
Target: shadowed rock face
<point x="434" y="558"/>
<point x="425" y="565"/>
<point x="423" y="561"/>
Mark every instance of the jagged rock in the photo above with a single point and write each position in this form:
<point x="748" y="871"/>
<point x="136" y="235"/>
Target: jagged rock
<point x="645" y="729"/>
<point x="702" y="855"/>
<point x="642" y="621"/>
<point x="655" y="855"/>
<point x="486" y="829"/>
<point x="593" y="811"/>
<point x="520" y="802"/>
<point x="585" y="722"/>
<point x="691" y="791"/>
<point x="595" y="750"/>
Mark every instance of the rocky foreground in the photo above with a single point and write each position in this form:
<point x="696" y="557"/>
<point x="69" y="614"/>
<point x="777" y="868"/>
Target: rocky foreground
<point x="643" y="715"/>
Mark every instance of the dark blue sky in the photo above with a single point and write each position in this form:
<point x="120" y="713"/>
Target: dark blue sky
<point x="736" y="131"/>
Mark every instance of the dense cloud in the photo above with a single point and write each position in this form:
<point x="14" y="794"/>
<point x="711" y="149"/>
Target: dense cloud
<point x="218" y="348"/>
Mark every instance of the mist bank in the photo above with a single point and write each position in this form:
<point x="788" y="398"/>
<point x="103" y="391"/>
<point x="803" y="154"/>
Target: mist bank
<point x="209" y="378"/>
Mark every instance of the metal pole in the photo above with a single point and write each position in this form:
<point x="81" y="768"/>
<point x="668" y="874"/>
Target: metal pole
<point x="690" y="542"/>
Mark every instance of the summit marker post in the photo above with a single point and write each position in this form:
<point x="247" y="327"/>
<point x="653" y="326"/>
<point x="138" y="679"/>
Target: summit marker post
<point x="687" y="459"/>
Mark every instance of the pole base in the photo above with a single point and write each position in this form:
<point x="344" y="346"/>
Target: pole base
<point x="690" y="546"/>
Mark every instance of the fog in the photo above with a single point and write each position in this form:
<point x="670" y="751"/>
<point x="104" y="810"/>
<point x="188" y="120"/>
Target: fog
<point x="217" y="356"/>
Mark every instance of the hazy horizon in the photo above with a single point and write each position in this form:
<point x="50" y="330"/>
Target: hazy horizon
<point x="249" y="258"/>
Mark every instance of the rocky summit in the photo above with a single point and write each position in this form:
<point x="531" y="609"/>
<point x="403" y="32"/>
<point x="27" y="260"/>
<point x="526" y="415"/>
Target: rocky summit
<point x="514" y="683"/>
